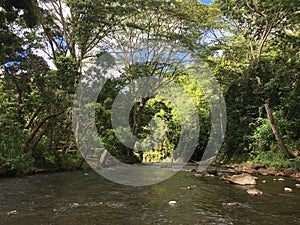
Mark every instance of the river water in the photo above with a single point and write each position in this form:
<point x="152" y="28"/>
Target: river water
<point x="85" y="198"/>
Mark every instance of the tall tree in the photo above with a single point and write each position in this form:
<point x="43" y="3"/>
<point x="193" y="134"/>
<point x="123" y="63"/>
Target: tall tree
<point x="259" y="23"/>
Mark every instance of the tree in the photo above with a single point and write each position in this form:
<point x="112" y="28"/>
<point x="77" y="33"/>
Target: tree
<point x="156" y="41"/>
<point x="259" y="23"/>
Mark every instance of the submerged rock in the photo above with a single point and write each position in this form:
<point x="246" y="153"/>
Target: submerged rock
<point x="254" y="192"/>
<point x="209" y="175"/>
<point x="231" y="204"/>
<point x="241" y="179"/>
<point x="13" y="212"/>
<point x="198" y="175"/>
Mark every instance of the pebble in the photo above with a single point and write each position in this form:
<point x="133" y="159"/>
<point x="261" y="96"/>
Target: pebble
<point x="13" y="212"/>
<point x="254" y="192"/>
<point x="297" y="185"/>
<point x="280" y="179"/>
<point x="264" y="181"/>
<point x="287" y="189"/>
<point x="172" y="203"/>
<point x="231" y="204"/>
<point x="74" y="205"/>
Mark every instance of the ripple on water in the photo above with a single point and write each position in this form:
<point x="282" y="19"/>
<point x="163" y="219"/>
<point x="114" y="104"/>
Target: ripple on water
<point x="76" y="198"/>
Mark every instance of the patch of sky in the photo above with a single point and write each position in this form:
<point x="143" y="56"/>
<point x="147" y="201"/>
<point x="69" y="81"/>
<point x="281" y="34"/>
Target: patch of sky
<point x="206" y="1"/>
<point x="12" y="63"/>
<point x="16" y="62"/>
<point x="61" y="42"/>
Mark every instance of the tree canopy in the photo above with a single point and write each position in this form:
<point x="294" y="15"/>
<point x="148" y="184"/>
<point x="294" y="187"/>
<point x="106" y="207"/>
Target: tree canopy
<point x="48" y="46"/>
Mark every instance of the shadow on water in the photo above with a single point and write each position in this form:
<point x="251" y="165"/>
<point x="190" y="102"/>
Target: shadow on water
<point x="73" y="198"/>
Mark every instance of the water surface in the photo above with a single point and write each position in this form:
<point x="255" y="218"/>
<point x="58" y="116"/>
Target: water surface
<point x="85" y="198"/>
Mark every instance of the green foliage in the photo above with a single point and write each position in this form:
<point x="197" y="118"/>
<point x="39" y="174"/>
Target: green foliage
<point x="263" y="144"/>
<point x="11" y="158"/>
<point x="240" y="40"/>
<point x="273" y="158"/>
<point x="260" y="44"/>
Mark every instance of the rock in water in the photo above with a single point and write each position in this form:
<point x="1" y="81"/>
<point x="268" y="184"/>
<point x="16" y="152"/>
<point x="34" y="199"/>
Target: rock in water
<point x="231" y="204"/>
<point x="172" y="203"/>
<point x="287" y="189"/>
<point x="198" y="175"/>
<point x="13" y="212"/>
<point x="254" y="192"/>
<point x="241" y="179"/>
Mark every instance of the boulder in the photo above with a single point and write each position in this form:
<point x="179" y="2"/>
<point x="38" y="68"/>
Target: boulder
<point x="279" y="173"/>
<point x="296" y="175"/>
<point x="245" y="169"/>
<point x="241" y="179"/>
<point x="257" y="166"/>
<point x="212" y="171"/>
<point x="267" y="171"/>
<point x="289" y="172"/>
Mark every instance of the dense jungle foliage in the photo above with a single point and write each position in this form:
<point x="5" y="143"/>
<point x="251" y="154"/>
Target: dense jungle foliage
<point x="251" y="47"/>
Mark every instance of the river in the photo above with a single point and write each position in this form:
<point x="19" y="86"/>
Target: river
<point x="85" y="198"/>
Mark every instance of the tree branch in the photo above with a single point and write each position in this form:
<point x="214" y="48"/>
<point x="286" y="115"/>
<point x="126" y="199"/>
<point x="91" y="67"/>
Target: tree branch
<point x="25" y="146"/>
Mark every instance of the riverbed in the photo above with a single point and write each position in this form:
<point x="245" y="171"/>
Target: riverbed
<point x="85" y="198"/>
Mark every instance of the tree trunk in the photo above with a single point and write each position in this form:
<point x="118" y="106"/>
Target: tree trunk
<point x="273" y="124"/>
<point x="25" y="147"/>
<point x="39" y="137"/>
<point x="275" y="130"/>
<point x="103" y="158"/>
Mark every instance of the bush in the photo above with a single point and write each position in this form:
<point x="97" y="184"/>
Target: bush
<point x="11" y="156"/>
<point x="264" y="148"/>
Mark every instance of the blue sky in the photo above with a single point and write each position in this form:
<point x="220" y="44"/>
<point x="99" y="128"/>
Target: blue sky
<point x="206" y="1"/>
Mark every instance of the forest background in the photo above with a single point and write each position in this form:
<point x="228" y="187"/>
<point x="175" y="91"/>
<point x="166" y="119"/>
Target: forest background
<point x="250" y="46"/>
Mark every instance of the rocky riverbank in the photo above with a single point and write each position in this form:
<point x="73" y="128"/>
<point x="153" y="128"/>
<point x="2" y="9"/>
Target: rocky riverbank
<point x="255" y="169"/>
<point x="246" y="175"/>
